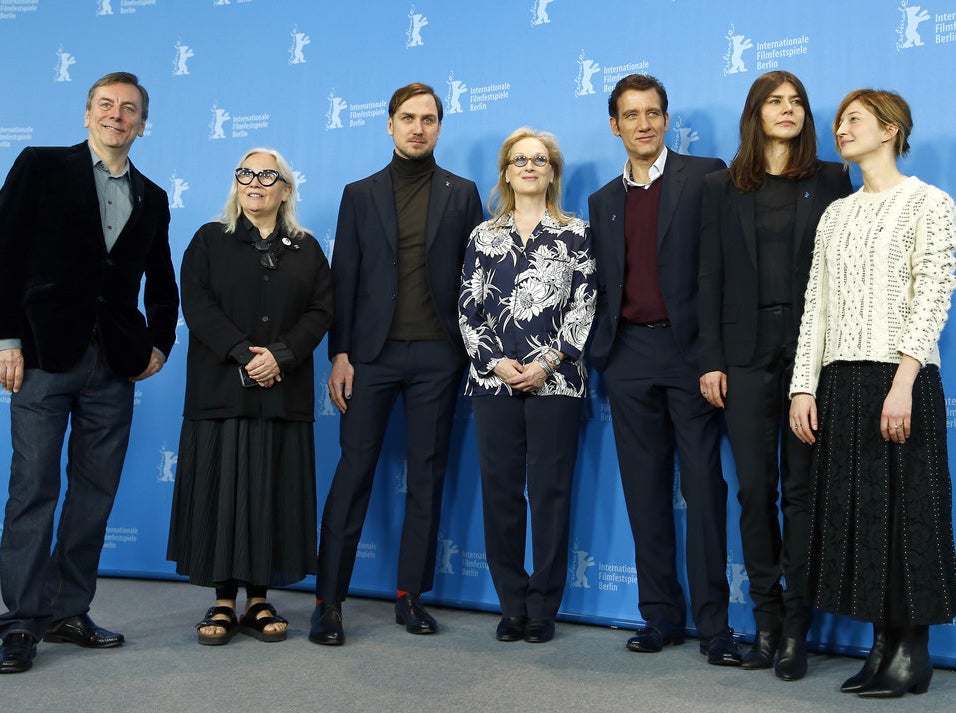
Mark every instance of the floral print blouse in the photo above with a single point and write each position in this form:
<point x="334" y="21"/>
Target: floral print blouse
<point x="517" y="301"/>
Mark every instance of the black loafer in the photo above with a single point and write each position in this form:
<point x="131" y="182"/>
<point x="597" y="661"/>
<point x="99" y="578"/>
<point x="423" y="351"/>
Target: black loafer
<point x="792" y="662"/>
<point x="721" y="650"/>
<point x="763" y="651"/>
<point x="651" y="639"/>
<point x="81" y="630"/>
<point x="326" y="624"/>
<point x="511" y="628"/>
<point x="17" y="653"/>
<point x="416" y="619"/>
<point x="539" y="631"/>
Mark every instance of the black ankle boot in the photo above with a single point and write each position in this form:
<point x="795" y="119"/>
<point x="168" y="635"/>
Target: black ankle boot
<point x="906" y="668"/>
<point x="872" y="663"/>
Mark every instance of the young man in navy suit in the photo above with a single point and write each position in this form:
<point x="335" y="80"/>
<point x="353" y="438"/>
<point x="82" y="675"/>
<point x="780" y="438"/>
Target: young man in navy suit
<point x="646" y="230"/>
<point x="79" y="228"/>
<point x="396" y="268"/>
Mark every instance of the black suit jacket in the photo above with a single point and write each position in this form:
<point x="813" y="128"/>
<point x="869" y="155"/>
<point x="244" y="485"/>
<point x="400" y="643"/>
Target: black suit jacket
<point x="58" y="282"/>
<point x="678" y="250"/>
<point x="365" y="259"/>
<point x="728" y="261"/>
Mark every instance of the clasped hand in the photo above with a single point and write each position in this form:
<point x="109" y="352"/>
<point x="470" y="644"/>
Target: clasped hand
<point x="263" y="368"/>
<point x="522" y="377"/>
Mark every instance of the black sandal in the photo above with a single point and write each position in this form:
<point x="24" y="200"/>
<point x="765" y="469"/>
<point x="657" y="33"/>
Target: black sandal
<point x="230" y="626"/>
<point x="253" y="625"/>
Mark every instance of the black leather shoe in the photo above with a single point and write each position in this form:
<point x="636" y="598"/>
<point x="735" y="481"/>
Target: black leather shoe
<point x="906" y="667"/>
<point x="511" y="628"/>
<point x="539" y="631"/>
<point x="326" y="624"/>
<point x="761" y="654"/>
<point x="872" y="664"/>
<point x="81" y="630"/>
<point x="410" y="612"/>
<point x="721" y="650"/>
<point x="651" y="639"/>
<point x="792" y="662"/>
<point x="17" y="653"/>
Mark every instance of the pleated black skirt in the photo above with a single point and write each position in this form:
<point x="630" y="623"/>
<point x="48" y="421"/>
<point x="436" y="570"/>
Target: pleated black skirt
<point x="244" y="502"/>
<point x="881" y="543"/>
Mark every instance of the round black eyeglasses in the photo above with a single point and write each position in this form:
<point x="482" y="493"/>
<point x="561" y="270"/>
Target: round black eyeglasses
<point x="266" y="177"/>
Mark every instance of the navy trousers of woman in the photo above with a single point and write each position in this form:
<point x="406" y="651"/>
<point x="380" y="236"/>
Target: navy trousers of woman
<point x="534" y="440"/>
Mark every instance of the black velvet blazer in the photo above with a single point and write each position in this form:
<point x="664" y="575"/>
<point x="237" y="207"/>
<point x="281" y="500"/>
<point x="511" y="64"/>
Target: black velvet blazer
<point x="58" y="282"/>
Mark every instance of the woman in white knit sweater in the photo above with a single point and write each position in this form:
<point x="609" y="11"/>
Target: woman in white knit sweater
<point x="866" y="391"/>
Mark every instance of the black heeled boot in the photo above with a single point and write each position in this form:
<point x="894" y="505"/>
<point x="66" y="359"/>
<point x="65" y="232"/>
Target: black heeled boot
<point x="872" y="664"/>
<point x="906" y="668"/>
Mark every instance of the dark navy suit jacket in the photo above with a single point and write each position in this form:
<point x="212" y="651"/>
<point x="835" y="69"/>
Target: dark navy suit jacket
<point x="365" y="259"/>
<point x="677" y="252"/>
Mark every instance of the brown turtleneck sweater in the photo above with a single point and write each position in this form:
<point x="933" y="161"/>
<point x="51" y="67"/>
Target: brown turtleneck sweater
<point x="415" y="317"/>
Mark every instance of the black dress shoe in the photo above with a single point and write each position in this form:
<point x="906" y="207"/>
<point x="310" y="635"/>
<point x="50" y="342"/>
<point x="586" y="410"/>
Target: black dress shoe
<point x="410" y="612"/>
<point x="651" y="639"/>
<point x="326" y="624"/>
<point x="872" y="664"/>
<point x="17" y="653"/>
<point x="761" y="654"/>
<point x="511" y="628"/>
<point x="792" y="662"/>
<point x="721" y="650"/>
<point x="539" y="631"/>
<point x="81" y="630"/>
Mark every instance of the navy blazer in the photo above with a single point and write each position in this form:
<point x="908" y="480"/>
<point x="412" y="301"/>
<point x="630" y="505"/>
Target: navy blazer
<point x="57" y="280"/>
<point x="365" y="259"/>
<point x="728" y="261"/>
<point x="678" y="250"/>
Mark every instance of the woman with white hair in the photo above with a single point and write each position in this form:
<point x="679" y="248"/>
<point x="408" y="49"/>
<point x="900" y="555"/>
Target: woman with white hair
<point x="257" y="298"/>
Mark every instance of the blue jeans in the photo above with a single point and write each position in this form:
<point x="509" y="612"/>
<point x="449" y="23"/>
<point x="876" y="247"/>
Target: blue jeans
<point x="40" y="588"/>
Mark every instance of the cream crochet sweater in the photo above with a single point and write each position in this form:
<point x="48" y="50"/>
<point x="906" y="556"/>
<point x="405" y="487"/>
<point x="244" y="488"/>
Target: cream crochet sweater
<point x="881" y="280"/>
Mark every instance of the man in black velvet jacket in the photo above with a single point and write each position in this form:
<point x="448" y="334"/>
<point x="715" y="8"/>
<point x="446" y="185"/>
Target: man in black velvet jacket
<point x="79" y="228"/>
<point x="396" y="268"/>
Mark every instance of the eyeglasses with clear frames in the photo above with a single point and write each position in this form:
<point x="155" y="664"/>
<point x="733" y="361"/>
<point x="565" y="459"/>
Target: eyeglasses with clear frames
<point x="522" y="161"/>
<point x="266" y="177"/>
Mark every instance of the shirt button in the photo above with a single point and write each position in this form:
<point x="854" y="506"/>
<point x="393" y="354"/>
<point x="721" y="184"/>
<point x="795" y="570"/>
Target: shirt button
<point x="265" y="278"/>
<point x="265" y="318"/>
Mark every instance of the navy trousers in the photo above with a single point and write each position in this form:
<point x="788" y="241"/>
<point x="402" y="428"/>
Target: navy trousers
<point x="427" y="374"/>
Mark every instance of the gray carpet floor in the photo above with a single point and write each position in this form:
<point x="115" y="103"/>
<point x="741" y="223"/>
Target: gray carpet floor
<point x="382" y="668"/>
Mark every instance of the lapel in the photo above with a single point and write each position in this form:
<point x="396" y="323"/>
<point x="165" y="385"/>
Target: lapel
<point x="438" y="196"/>
<point x="614" y="244"/>
<point x="746" y="202"/>
<point x="672" y="185"/>
<point x="806" y="199"/>
<point x="81" y="165"/>
<point x="384" y="199"/>
<point x="137" y="186"/>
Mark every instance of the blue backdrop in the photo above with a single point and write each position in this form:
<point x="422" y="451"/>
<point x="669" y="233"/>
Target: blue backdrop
<point x="312" y="79"/>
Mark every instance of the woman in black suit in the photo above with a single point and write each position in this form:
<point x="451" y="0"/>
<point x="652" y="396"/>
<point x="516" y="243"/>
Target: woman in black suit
<point x="257" y="298"/>
<point x="758" y="222"/>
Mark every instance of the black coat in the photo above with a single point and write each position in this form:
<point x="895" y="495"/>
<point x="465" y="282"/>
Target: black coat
<point x="230" y="300"/>
<point x="58" y="282"/>
<point x="728" y="261"/>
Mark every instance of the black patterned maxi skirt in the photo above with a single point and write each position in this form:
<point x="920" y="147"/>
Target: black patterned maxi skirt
<point x="244" y="502"/>
<point x="881" y="540"/>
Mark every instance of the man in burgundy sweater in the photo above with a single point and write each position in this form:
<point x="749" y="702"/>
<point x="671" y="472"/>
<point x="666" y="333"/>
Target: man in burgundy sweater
<point x="646" y="229"/>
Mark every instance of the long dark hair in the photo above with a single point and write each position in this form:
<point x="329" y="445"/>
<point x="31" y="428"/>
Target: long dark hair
<point x="749" y="167"/>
